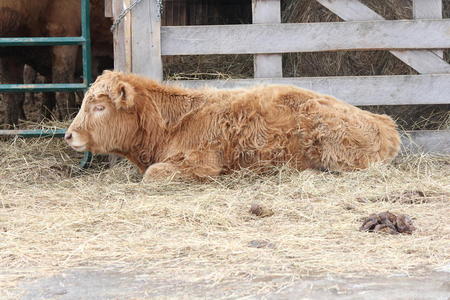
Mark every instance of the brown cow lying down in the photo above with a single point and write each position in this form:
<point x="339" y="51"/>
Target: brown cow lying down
<point x="196" y="133"/>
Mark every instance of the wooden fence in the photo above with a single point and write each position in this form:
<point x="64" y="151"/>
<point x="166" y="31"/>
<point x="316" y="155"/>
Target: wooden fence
<point x="140" y="41"/>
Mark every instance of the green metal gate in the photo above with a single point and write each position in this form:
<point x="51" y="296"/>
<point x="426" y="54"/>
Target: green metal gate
<point x="85" y="42"/>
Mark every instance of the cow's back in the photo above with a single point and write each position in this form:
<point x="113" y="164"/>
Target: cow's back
<point x="246" y="127"/>
<point x="275" y="124"/>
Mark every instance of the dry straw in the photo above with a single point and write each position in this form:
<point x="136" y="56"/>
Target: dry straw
<point x="54" y="217"/>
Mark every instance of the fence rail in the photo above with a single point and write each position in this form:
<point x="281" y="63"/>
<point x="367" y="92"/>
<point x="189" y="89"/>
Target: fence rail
<point x="357" y="90"/>
<point x="305" y="37"/>
<point x="46" y="87"/>
<point x="42" y="41"/>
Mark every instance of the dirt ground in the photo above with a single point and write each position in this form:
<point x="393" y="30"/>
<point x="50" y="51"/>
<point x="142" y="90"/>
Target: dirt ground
<point x="100" y="233"/>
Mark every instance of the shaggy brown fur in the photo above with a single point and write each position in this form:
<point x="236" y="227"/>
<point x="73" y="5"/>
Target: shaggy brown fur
<point x="168" y="130"/>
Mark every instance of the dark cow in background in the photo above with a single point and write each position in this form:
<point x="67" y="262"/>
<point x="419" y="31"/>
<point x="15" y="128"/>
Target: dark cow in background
<point x="59" y="64"/>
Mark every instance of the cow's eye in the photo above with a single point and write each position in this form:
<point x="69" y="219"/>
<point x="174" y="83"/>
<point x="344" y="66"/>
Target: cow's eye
<point x="99" y="108"/>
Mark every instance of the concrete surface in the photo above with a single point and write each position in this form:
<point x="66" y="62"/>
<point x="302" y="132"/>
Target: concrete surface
<point x="114" y="284"/>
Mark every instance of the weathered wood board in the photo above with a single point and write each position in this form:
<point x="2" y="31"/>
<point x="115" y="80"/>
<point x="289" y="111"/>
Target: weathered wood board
<point x="128" y="37"/>
<point x="267" y="12"/>
<point x="108" y="9"/>
<point x="428" y="9"/>
<point x="426" y="141"/>
<point x="357" y="90"/>
<point x="305" y="37"/>
<point x="119" y="38"/>
<point x="423" y="61"/>
<point x="146" y="40"/>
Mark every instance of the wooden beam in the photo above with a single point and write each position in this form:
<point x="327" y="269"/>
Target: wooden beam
<point x="423" y="61"/>
<point x="351" y="10"/>
<point x="120" y="50"/>
<point x="357" y="90"/>
<point x="267" y="12"/>
<point x="146" y="40"/>
<point x="305" y="37"/>
<point x="428" y="9"/>
<point x="127" y="37"/>
<point x="119" y="38"/>
<point x="426" y="141"/>
<point x="108" y="9"/>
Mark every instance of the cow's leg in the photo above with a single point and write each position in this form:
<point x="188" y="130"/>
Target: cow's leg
<point x="11" y="71"/>
<point x="187" y="169"/>
<point x="29" y="77"/>
<point x="161" y="171"/>
<point x="199" y="165"/>
<point x="95" y="67"/>
<point x="48" y="103"/>
<point x="63" y="70"/>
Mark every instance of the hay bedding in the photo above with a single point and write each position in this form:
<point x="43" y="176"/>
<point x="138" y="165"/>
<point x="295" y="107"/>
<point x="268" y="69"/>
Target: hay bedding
<point x="53" y="217"/>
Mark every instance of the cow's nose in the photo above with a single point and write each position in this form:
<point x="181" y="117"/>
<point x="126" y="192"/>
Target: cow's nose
<point x="68" y="136"/>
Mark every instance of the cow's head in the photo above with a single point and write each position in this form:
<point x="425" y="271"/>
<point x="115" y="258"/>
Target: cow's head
<point x="107" y="119"/>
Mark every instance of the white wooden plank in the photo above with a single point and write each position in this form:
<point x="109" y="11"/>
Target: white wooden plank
<point x="122" y="58"/>
<point x="357" y="90"/>
<point x="119" y="38"/>
<point x="351" y="10"/>
<point x="108" y="9"/>
<point x="423" y="61"/>
<point x="127" y="36"/>
<point x="268" y="66"/>
<point x="146" y="40"/>
<point x="426" y="141"/>
<point x="428" y="9"/>
<point x="267" y="12"/>
<point x="305" y="37"/>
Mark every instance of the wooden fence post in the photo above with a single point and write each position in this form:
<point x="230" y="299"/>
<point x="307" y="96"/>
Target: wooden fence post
<point x="146" y="41"/>
<point x="120" y="53"/>
<point x="108" y="9"/>
<point x="428" y="9"/>
<point x="267" y="65"/>
<point x="128" y="37"/>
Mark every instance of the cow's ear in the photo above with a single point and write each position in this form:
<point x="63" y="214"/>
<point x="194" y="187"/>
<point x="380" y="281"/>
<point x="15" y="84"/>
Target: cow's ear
<point x="123" y="95"/>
